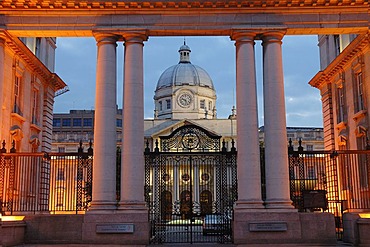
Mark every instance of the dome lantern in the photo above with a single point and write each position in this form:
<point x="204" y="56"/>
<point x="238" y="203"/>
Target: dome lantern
<point x="184" y="53"/>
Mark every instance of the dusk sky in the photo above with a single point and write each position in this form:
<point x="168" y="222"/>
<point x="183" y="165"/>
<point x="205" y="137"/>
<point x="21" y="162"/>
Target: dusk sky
<point x="76" y="65"/>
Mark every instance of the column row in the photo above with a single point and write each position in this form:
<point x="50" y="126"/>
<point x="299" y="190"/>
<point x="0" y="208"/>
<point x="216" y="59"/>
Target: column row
<point x="276" y="152"/>
<point x="132" y="174"/>
<point x="104" y="170"/>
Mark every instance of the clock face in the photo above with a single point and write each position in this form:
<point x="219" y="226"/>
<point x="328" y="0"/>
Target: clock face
<point x="185" y="100"/>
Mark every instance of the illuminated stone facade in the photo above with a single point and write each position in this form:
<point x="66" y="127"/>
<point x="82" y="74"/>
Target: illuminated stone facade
<point x="27" y="90"/>
<point x="344" y="84"/>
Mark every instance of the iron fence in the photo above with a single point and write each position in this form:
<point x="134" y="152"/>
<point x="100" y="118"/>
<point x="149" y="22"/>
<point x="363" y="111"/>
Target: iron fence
<point x="45" y="182"/>
<point x="332" y="181"/>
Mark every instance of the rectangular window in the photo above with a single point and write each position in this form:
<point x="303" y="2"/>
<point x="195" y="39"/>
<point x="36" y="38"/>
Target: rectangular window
<point x="61" y="149"/>
<point x="17" y="96"/>
<point x="35" y="106"/>
<point x="66" y="122"/>
<point x="88" y="122"/>
<point x="307" y="135"/>
<point x="340" y="104"/>
<point x="337" y="45"/>
<point x="202" y="104"/>
<point x="160" y="106"/>
<point x="77" y="122"/>
<point x="168" y="103"/>
<point x="309" y="147"/>
<point x="359" y="97"/>
<point x="210" y="105"/>
<point x="119" y="122"/>
<point x="38" y="47"/>
<point x="56" y="122"/>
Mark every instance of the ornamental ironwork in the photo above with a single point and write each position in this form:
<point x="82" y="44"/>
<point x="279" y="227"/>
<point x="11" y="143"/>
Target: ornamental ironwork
<point x="190" y="138"/>
<point x="190" y="187"/>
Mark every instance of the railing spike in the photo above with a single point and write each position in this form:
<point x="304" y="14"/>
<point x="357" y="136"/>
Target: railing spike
<point x="13" y="150"/>
<point x="90" y="149"/>
<point x="156" y="146"/>
<point x="233" y="149"/>
<point x="147" y="149"/>
<point x="290" y="147"/>
<point x="300" y="148"/>
<point x="224" y="146"/>
<point x="80" y="148"/>
<point x="3" y="150"/>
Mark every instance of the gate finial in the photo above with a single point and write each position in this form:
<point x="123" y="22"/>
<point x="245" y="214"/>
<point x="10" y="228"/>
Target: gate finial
<point x="3" y="150"/>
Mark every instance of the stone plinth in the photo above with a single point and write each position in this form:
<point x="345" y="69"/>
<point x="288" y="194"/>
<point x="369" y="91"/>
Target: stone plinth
<point x="264" y="227"/>
<point x="50" y="229"/>
<point x="12" y="233"/>
<point x="112" y="229"/>
<point x="363" y="231"/>
<point x="356" y="228"/>
<point x="350" y="233"/>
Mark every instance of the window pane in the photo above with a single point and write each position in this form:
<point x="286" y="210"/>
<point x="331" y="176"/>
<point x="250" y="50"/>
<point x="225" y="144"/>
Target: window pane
<point x="168" y="103"/>
<point x="88" y="122"/>
<point x="202" y="104"/>
<point x="119" y="123"/>
<point x="56" y="122"/>
<point x="66" y="122"/>
<point x="77" y="122"/>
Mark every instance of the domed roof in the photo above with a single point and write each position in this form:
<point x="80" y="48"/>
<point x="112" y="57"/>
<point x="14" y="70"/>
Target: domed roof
<point x="184" y="73"/>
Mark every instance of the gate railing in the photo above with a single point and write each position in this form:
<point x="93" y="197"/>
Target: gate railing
<point x="333" y="181"/>
<point x="190" y="187"/>
<point x="45" y="182"/>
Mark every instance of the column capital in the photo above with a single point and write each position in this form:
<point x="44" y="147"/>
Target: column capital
<point x="135" y="37"/>
<point x="243" y="35"/>
<point x="105" y="38"/>
<point x="273" y="36"/>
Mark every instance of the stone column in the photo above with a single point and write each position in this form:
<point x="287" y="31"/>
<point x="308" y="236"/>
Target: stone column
<point x="248" y="160"/>
<point x="276" y="149"/>
<point x="104" y="169"/>
<point x="132" y="174"/>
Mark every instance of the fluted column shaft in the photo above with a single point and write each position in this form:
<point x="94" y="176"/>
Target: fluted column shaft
<point x="104" y="169"/>
<point x="132" y="174"/>
<point x="248" y="171"/>
<point x="276" y="150"/>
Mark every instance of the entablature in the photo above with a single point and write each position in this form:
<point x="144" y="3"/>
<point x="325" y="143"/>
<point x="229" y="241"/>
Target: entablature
<point x="66" y="18"/>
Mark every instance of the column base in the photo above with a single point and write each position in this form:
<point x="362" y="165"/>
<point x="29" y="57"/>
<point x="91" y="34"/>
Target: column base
<point x="132" y="207"/>
<point x="102" y="207"/>
<point x="248" y="205"/>
<point x="280" y="205"/>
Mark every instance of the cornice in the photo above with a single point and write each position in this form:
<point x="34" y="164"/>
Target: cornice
<point x="352" y="50"/>
<point x="121" y="5"/>
<point x="33" y="62"/>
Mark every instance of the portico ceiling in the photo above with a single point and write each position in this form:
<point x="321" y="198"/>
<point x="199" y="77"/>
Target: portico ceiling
<point x="172" y="18"/>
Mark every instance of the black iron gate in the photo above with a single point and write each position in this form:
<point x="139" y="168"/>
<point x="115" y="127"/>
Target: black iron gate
<point x="190" y="187"/>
